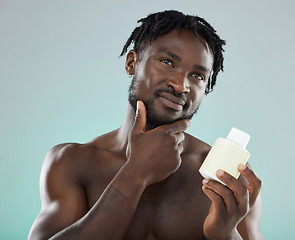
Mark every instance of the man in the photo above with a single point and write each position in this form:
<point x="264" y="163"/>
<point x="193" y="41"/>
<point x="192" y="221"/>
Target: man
<point x="141" y="181"/>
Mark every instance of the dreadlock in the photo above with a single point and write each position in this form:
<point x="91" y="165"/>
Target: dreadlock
<point x="161" y="23"/>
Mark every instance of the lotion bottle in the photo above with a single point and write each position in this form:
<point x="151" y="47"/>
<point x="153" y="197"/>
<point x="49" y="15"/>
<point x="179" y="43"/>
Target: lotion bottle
<point x="226" y="154"/>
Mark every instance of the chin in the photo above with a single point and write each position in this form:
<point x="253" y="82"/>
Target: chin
<point x="157" y="115"/>
<point x="154" y="119"/>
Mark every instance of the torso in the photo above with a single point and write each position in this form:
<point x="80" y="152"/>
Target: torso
<point x="172" y="209"/>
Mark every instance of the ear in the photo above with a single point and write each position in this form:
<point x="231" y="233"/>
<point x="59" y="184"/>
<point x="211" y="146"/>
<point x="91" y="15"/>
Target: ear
<point x="131" y="61"/>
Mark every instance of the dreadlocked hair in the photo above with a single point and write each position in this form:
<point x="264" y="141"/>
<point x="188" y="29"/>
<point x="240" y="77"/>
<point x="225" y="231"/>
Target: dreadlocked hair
<point x="161" y="23"/>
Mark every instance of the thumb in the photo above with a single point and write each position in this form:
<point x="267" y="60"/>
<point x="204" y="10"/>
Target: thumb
<point x="140" y="118"/>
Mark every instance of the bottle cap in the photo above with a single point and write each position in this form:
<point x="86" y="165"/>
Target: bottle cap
<point x="238" y="137"/>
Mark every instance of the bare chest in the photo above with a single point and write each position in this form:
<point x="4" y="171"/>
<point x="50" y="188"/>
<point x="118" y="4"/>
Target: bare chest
<point x="173" y="209"/>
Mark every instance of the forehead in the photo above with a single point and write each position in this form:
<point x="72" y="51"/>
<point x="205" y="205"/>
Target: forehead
<point x="183" y="43"/>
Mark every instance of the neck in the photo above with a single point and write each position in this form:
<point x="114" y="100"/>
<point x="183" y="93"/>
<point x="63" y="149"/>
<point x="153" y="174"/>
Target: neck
<point x="124" y="130"/>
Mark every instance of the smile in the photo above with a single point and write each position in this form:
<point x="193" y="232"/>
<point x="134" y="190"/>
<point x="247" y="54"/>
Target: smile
<point x="170" y="101"/>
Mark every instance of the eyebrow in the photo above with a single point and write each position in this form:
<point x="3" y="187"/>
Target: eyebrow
<point x="178" y="58"/>
<point x="171" y="54"/>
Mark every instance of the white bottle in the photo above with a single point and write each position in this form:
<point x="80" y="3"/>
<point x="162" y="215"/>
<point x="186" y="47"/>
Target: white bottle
<point x="226" y="154"/>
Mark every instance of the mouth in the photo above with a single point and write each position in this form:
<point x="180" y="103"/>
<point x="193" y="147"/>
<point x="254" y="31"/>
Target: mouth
<point x="170" y="101"/>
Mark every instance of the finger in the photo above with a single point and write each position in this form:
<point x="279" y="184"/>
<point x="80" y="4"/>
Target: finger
<point x="179" y="137"/>
<point x="176" y="127"/>
<point x="224" y="192"/>
<point x="241" y="193"/>
<point x="215" y="198"/>
<point x="180" y="148"/>
<point x="139" y="125"/>
<point x="255" y="182"/>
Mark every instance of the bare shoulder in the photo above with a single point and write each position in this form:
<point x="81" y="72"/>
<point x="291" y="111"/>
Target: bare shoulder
<point x="77" y="162"/>
<point x="68" y="156"/>
<point x="65" y="151"/>
<point x="76" y="154"/>
<point x="62" y="152"/>
<point x="64" y="164"/>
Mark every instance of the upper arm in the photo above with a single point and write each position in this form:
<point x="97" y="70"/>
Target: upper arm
<point x="62" y="196"/>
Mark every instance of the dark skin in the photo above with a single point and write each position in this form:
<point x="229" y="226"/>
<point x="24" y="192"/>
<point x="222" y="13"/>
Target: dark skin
<point x="141" y="183"/>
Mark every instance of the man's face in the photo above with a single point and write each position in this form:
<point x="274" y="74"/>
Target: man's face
<point x="170" y="76"/>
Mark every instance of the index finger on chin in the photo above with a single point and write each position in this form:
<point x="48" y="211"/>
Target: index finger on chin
<point x="176" y="127"/>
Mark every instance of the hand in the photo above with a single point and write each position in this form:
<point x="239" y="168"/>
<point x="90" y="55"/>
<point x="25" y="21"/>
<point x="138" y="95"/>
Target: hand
<point x="153" y="155"/>
<point x="230" y="203"/>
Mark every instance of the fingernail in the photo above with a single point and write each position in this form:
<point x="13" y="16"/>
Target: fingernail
<point x="219" y="172"/>
<point x="242" y="167"/>
<point x="205" y="181"/>
<point x="188" y="122"/>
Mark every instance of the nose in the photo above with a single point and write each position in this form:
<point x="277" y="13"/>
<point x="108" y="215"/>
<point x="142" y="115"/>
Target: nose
<point x="179" y="82"/>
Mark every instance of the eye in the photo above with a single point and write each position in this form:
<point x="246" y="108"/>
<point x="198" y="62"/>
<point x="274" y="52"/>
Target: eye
<point x="167" y="61"/>
<point x="198" y="76"/>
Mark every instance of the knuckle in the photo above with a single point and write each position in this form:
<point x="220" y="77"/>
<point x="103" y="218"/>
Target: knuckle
<point x="244" y="194"/>
<point x="228" y="193"/>
<point x="229" y="178"/>
<point x="182" y="136"/>
<point x="219" y="201"/>
<point x="259" y="182"/>
<point x="180" y="145"/>
<point x="171" y="140"/>
<point x="176" y="149"/>
<point x="256" y="182"/>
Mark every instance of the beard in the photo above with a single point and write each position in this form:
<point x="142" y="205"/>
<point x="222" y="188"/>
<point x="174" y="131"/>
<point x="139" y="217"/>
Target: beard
<point x="153" y="118"/>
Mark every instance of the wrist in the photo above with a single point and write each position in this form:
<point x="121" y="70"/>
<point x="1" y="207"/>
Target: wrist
<point x="134" y="175"/>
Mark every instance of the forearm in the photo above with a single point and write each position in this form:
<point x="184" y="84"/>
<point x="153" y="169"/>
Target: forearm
<point x="111" y="215"/>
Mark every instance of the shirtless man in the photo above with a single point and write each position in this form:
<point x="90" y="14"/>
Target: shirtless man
<point x="141" y="181"/>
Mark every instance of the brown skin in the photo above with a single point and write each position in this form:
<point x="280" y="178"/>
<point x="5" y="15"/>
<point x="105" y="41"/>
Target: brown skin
<point x="139" y="183"/>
